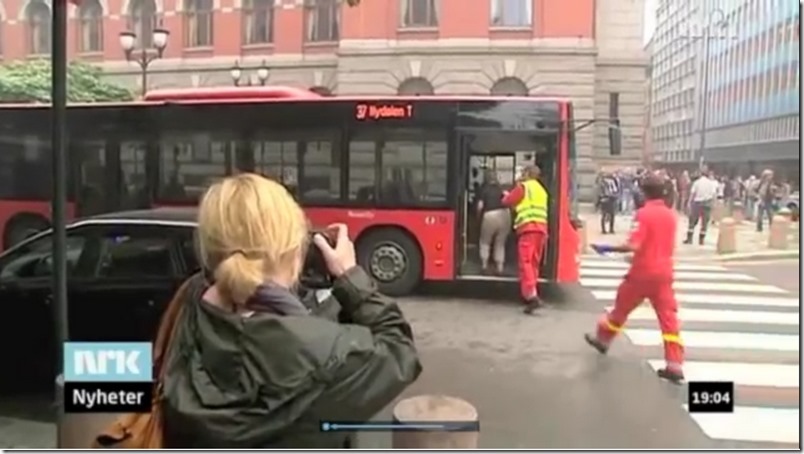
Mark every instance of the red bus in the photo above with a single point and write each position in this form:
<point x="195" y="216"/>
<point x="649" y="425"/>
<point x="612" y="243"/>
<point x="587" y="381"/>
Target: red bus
<point x="402" y="172"/>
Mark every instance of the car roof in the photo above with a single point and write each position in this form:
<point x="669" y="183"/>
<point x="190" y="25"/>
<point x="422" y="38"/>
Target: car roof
<point x="157" y="216"/>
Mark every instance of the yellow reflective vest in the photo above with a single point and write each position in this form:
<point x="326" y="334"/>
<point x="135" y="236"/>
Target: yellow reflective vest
<point x="533" y="206"/>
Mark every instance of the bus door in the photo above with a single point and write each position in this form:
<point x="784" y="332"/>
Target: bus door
<point x="501" y="155"/>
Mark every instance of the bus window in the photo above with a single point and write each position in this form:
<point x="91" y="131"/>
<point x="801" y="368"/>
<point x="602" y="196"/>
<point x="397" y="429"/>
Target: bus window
<point x="277" y="160"/>
<point x="134" y="187"/>
<point x="321" y="179"/>
<point x="412" y="170"/>
<point x="189" y="163"/>
<point x="23" y="161"/>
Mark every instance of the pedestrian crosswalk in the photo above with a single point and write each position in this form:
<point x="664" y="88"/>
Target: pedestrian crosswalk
<point x="734" y="328"/>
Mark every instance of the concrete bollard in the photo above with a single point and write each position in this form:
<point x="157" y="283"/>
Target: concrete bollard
<point x="779" y="232"/>
<point x="738" y="212"/>
<point x="433" y="408"/>
<point x="727" y="236"/>
<point x="718" y="211"/>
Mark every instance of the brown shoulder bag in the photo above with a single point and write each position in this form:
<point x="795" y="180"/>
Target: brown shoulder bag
<point x="145" y="430"/>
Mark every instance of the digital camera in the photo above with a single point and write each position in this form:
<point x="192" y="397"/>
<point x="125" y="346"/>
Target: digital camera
<point x="315" y="274"/>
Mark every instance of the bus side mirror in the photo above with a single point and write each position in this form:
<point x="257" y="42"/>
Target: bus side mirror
<point x="615" y="138"/>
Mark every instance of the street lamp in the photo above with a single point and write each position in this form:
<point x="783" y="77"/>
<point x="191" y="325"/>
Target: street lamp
<point x="717" y="18"/>
<point x="237" y="72"/>
<point x="159" y="39"/>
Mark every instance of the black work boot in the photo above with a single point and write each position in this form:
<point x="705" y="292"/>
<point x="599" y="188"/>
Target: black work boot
<point x="674" y="376"/>
<point x="689" y="238"/>
<point x="596" y="344"/>
<point x="531" y="304"/>
<point x="701" y="239"/>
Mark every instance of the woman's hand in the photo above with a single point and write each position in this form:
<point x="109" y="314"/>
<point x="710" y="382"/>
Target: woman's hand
<point x="340" y="258"/>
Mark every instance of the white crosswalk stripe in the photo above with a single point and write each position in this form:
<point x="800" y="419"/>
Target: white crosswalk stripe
<point x="725" y="315"/>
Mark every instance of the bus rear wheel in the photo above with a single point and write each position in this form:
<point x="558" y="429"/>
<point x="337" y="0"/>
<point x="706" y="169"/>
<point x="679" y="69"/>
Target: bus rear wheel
<point x="393" y="259"/>
<point x="22" y="227"/>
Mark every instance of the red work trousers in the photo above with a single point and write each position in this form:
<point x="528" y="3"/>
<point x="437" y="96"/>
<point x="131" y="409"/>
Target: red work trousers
<point x="659" y="291"/>
<point x="530" y="245"/>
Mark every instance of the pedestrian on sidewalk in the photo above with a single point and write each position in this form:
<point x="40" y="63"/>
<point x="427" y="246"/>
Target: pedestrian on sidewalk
<point x="529" y="199"/>
<point x="652" y="242"/>
<point x="702" y="197"/>
<point x="609" y="196"/>
<point x="766" y="198"/>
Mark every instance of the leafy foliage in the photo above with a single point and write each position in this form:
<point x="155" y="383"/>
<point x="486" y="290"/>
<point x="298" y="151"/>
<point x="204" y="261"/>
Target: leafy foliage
<point x="29" y="81"/>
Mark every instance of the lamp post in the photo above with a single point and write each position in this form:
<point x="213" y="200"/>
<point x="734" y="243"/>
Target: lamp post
<point x="717" y="18"/>
<point x="237" y="72"/>
<point x="144" y="57"/>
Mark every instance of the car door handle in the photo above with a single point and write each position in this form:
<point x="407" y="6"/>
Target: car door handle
<point x="48" y="299"/>
<point x="150" y="303"/>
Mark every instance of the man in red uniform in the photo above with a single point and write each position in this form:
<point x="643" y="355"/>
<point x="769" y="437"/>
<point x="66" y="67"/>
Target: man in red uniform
<point x="652" y="242"/>
<point x="529" y="200"/>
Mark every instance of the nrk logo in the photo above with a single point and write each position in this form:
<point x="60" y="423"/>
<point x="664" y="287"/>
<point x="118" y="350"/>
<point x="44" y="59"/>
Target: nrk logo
<point x="108" y="376"/>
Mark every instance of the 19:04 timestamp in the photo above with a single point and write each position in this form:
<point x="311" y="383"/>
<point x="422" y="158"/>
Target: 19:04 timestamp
<point x="711" y="397"/>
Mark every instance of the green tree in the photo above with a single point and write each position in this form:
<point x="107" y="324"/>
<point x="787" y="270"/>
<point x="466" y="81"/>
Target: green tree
<point x="29" y="81"/>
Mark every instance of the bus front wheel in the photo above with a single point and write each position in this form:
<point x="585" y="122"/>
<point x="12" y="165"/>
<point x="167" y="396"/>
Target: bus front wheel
<point x="393" y="259"/>
<point x="22" y="227"/>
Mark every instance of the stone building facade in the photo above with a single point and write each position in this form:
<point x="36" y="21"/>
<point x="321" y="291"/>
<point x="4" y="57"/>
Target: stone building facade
<point x="588" y="50"/>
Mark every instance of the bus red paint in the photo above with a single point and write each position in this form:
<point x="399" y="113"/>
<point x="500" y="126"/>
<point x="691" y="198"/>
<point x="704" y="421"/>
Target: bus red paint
<point x="404" y="173"/>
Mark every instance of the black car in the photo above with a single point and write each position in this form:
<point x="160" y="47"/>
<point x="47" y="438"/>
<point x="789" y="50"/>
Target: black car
<point x="123" y="269"/>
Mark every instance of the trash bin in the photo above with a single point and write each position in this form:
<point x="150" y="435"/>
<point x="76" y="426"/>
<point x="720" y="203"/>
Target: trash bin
<point x="78" y="430"/>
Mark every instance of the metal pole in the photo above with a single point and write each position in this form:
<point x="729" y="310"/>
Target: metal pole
<point x="144" y="66"/>
<point x="59" y="202"/>
<point x="704" y="95"/>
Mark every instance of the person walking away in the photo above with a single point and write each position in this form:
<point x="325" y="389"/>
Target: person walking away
<point x="652" y="243"/>
<point x="609" y="197"/>
<point x="766" y="198"/>
<point x="529" y="200"/>
<point x="702" y="197"/>
<point x="750" y="199"/>
<point x="684" y="184"/>
<point x="626" y="193"/>
<point x="495" y="223"/>
<point x="250" y="366"/>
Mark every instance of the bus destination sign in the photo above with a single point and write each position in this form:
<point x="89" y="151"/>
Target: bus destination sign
<point x="367" y="112"/>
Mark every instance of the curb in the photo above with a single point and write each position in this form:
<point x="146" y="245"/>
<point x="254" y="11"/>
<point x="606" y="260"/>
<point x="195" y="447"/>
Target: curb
<point x="758" y="256"/>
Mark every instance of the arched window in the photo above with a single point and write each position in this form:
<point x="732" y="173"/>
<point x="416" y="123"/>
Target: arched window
<point x="323" y="91"/>
<point x="143" y="21"/>
<point x="38" y="16"/>
<point x="258" y="21"/>
<point x="509" y="86"/>
<point x="416" y="86"/>
<point x="90" y="16"/>
<point x="198" y="23"/>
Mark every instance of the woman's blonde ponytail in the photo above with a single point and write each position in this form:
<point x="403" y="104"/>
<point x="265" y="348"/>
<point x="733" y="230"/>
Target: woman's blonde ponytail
<point x="237" y="277"/>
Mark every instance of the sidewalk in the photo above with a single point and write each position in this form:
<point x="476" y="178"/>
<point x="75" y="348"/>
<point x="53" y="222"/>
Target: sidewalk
<point x="750" y="243"/>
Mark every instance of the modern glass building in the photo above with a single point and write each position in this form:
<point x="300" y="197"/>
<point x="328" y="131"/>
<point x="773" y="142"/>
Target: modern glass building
<point x="752" y="98"/>
<point x="754" y="87"/>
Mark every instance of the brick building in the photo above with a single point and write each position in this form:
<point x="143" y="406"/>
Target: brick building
<point x="589" y="50"/>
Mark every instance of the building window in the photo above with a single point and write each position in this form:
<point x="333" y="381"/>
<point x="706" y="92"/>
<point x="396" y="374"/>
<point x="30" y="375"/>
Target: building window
<point x="142" y="21"/>
<point x="323" y="21"/>
<point x="509" y="86"/>
<point x="419" y="13"/>
<point x="416" y="86"/>
<point x="38" y="16"/>
<point x="90" y="16"/>
<point x="511" y="13"/>
<point x="614" y="123"/>
<point x="258" y="21"/>
<point x="198" y="23"/>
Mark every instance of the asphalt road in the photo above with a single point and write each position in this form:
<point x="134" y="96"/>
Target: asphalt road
<point x="782" y="273"/>
<point x="533" y="380"/>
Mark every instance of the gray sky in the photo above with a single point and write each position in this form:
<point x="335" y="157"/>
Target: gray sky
<point x="650" y="19"/>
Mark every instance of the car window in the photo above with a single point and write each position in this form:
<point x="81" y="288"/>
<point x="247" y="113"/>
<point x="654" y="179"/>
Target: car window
<point x="189" y="252"/>
<point x="135" y="256"/>
<point x="35" y="260"/>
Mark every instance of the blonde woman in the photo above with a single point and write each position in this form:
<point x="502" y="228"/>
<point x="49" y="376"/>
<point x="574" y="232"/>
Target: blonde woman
<point x="249" y="366"/>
